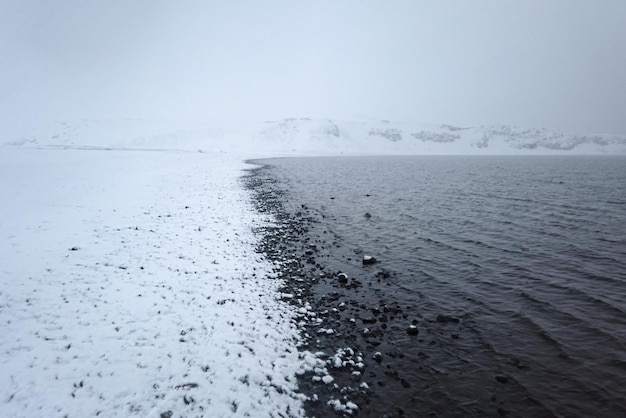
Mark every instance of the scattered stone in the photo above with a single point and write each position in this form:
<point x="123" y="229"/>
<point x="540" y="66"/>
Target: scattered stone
<point x="186" y="386"/>
<point x="343" y="278"/>
<point x="74" y="249"/>
<point x="367" y="215"/>
<point x="378" y="357"/>
<point x="447" y="319"/>
<point x="327" y="379"/>
<point x="412" y="330"/>
<point x="369" y="260"/>
<point x="167" y="414"/>
<point x="345" y="409"/>
<point x="383" y="274"/>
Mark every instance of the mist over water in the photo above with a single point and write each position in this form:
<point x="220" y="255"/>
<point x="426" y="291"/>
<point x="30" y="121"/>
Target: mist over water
<point x="529" y="253"/>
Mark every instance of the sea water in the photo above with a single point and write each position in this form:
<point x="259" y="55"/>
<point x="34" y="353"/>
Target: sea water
<point x="528" y="254"/>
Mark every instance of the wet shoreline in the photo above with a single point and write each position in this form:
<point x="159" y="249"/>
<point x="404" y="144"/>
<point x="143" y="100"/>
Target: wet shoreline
<point x="392" y="361"/>
<point x="302" y="268"/>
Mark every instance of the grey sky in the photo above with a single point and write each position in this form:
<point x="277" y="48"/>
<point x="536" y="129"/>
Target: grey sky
<point x="535" y="63"/>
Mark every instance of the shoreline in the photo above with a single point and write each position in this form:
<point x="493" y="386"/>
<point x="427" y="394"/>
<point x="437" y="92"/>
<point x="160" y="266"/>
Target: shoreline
<point x="328" y="325"/>
<point x="189" y="283"/>
<point x="389" y="357"/>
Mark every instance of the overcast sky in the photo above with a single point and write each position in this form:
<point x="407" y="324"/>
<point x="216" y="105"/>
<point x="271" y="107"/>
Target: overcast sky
<point x="535" y="63"/>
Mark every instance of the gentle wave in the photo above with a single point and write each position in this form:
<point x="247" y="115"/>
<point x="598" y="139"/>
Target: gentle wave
<point x="529" y="253"/>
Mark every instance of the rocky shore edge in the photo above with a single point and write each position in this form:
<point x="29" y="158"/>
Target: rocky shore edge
<point x="336" y="320"/>
<point x="377" y="353"/>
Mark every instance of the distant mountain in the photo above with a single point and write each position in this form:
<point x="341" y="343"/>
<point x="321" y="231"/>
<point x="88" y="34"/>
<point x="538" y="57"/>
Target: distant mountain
<point x="387" y="137"/>
<point x="304" y="136"/>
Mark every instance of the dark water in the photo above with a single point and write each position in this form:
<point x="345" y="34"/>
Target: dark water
<point x="528" y="253"/>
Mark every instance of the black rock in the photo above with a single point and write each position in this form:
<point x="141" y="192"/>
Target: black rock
<point x="447" y="318"/>
<point x="412" y="330"/>
<point x="369" y="260"/>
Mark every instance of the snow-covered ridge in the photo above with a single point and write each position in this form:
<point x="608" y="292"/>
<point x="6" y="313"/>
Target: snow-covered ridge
<point x="298" y="136"/>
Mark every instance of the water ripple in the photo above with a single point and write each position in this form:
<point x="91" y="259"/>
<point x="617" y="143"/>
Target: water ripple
<point x="529" y="252"/>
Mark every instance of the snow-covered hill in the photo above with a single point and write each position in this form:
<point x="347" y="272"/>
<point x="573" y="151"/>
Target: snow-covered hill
<point x="304" y="136"/>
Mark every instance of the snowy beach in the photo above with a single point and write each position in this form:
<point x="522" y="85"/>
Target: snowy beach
<point x="132" y="282"/>
<point x="130" y="286"/>
<point x="168" y="249"/>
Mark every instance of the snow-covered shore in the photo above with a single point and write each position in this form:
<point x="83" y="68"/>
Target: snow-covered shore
<point x="130" y="285"/>
<point x="129" y="280"/>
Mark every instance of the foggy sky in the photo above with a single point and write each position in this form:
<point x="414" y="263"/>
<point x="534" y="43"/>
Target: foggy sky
<point x="534" y="63"/>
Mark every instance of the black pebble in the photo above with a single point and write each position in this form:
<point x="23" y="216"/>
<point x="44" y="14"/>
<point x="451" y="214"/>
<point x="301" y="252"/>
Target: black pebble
<point x="502" y="378"/>
<point x="447" y="318"/>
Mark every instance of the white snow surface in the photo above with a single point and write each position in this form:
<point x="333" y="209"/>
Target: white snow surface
<point x="129" y="281"/>
<point x="129" y="286"/>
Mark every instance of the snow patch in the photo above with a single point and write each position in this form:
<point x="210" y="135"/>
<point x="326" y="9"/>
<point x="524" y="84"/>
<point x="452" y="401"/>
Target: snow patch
<point x="130" y="285"/>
